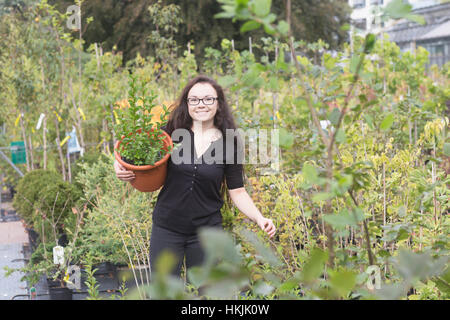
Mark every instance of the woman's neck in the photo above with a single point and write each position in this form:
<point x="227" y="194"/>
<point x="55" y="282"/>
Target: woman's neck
<point x="202" y="126"/>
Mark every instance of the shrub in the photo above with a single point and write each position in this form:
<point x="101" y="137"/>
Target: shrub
<point x="54" y="210"/>
<point x="88" y="158"/>
<point x="29" y="189"/>
<point x="120" y="214"/>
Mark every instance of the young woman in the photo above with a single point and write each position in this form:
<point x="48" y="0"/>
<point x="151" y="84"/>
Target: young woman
<point x="192" y="195"/>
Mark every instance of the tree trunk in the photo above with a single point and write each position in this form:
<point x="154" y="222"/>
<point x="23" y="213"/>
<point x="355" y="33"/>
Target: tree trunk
<point x="30" y="147"/>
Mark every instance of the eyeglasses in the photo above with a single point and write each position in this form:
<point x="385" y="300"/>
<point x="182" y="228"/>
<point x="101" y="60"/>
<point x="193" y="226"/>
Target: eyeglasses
<point x="206" y="101"/>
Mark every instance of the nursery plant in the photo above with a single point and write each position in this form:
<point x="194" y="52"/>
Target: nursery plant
<point x="143" y="146"/>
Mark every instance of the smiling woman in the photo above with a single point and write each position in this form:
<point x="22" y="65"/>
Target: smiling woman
<point x="192" y="195"/>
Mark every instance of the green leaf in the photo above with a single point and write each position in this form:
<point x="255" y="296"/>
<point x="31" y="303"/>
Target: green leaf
<point x="310" y="173"/>
<point x="266" y="253"/>
<point x="286" y="139"/>
<point x="314" y="267"/>
<point x="262" y="288"/>
<point x="197" y="276"/>
<point x="250" y="25"/>
<point x="340" y="136"/>
<point x="397" y="9"/>
<point x="345" y="27"/>
<point x="261" y="7"/>
<point x="345" y="218"/>
<point x="269" y="29"/>
<point x="418" y="266"/>
<point x="283" y="27"/>
<point x="369" y="120"/>
<point x="334" y="116"/>
<point x="224" y="15"/>
<point x="369" y="42"/>
<point x="447" y="149"/>
<point x="387" y="122"/>
<point x="401" y="211"/>
<point x="218" y="245"/>
<point x="165" y="262"/>
<point x="354" y="62"/>
<point x="443" y="282"/>
<point x="242" y="3"/>
<point x="416" y="18"/>
<point x="322" y="196"/>
<point x="342" y="281"/>
<point x="273" y="83"/>
<point x="227" y="81"/>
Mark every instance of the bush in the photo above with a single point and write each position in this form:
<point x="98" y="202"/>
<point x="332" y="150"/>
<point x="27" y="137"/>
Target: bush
<point x="119" y="220"/>
<point x="29" y="189"/>
<point x="54" y="208"/>
<point x="89" y="158"/>
<point x="93" y="173"/>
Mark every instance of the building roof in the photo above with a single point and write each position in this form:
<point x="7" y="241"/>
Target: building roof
<point x="407" y="34"/>
<point x="438" y="25"/>
<point x="440" y="31"/>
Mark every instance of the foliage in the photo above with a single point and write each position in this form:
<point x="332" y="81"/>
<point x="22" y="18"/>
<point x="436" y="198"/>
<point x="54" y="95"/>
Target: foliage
<point x="361" y="191"/>
<point x="117" y="213"/>
<point x="89" y="158"/>
<point x="29" y="191"/>
<point x="142" y="143"/>
<point x="55" y="210"/>
<point x="123" y="25"/>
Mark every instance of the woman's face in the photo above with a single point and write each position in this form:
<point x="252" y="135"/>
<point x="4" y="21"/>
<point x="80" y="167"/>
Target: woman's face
<point x="202" y="110"/>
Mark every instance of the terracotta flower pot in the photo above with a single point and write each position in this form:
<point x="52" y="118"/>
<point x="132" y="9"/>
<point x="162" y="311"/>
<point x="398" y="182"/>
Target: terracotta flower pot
<point x="148" y="177"/>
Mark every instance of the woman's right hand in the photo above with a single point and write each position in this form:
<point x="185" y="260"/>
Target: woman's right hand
<point x="122" y="173"/>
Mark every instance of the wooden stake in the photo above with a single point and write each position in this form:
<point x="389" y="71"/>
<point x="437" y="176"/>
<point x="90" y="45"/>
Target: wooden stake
<point x="24" y="137"/>
<point x="384" y="199"/>
<point x="44" y="134"/>
<point x="30" y="143"/>
<point x="61" y="157"/>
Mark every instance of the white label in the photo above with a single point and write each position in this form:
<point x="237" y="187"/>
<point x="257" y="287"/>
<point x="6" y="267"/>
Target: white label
<point x="58" y="255"/>
<point x="38" y="126"/>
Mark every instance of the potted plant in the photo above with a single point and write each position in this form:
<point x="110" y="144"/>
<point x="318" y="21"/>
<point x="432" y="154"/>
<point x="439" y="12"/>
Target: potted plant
<point x="142" y="146"/>
<point x="57" y="287"/>
<point x="42" y="267"/>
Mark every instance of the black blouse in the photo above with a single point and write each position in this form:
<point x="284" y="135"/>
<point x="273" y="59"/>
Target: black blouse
<point x="190" y="197"/>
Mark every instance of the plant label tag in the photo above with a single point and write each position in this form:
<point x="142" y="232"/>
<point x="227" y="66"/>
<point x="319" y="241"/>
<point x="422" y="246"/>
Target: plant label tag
<point x="38" y="126"/>
<point x="74" y="277"/>
<point x="58" y="255"/>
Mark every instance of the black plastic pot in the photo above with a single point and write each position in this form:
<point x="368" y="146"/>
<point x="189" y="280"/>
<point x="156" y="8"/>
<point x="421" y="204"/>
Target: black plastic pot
<point x="33" y="238"/>
<point x="104" y="268"/>
<point x="56" y="291"/>
<point x="60" y="293"/>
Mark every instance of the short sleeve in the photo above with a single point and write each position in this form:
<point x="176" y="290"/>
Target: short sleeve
<point x="234" y="173"/>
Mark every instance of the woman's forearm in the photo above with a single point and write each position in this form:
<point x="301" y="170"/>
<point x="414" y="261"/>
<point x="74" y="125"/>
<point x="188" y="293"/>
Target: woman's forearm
<point x="245" y="204"/>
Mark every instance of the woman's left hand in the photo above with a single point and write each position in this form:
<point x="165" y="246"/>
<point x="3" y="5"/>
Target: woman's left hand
<point x="266" y="225"/>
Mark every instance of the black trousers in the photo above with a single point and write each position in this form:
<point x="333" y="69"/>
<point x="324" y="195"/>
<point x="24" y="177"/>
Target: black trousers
<point x="181" y="245"/>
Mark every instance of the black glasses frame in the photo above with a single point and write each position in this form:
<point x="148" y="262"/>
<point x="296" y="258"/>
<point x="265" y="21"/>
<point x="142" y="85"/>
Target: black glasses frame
<point x="214" y="99"/>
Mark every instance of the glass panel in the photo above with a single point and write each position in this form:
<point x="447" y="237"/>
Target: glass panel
<point x="359" y="4"/>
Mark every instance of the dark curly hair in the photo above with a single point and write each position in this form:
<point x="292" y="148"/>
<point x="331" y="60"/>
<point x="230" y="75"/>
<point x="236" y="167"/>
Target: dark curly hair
<point x="180" y="118"/>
